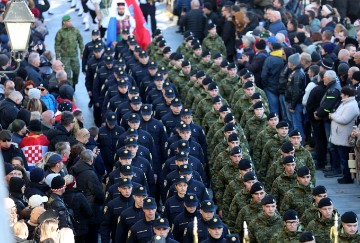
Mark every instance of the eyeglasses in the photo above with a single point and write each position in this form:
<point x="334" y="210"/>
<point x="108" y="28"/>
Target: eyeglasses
<point x="6" y="140"/>
<point x="291" y="222"/>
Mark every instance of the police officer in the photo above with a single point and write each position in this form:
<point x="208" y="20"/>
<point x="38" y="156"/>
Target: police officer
<point x="122" y="45"/>
<point x="135" y="104"/>
<point x="190" y="146"/>
<point x="154" y="90"/>
<point x="88" y="49"/>
<point x="172" y="117"/>
<point x="182" y="220"/>
<point x="131" y="215"/>
<point x="140" y="70"/>
<point x="125" y="107"/>
<point x="162" y="104"/>
<point x="114" y="208"/>
<point x="142" y="230"/>
<point x="116" y="97"/>
<point x="108" y="136"/>
<point x="215" y="229"/>
<point x="161" y="228"/>
<point x="148" y="78"/>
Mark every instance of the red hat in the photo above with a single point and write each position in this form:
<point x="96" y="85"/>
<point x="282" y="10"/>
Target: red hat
<point x="35" y="12"/>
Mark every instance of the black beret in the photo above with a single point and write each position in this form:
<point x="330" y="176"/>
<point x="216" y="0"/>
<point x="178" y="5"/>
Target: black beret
<point x="319" y="190"/>
<point x="294" y="133"/>
<point x="272" y="115"/>
<point x="229" y="127"/>
<point x="244" y="164"/>
<point x="249" y="176"/>
<point x="236" y="150"/>
<point x="325" y="202"/>
<point x="185" y="63"/>
<point x="248" y="84"/>
<point x="229" y="117"/>
<point x="233" y="137"/>
<point x="216" y="99"/>
<point x="290" y="214"/>
<point x="268" y="199"/>
<point x="200" y="74"/>
<point x="212" y="86"/>
<point x="287" y="147"/>
<point x="282" y="124"/>
<point x="303" y="171"/>
<point x="224" y="63"/>
<point x="224" y="108"/>
<point x="288" y="159"/>
<point x="258" y="105"/>
<point x="257" y="186"/>
<point x="207" y="81"/>
<point x="256" y="96"/>
<point x="349" y="218"/>
<point x="306" y="236"/>
<point x="205" y="53"/>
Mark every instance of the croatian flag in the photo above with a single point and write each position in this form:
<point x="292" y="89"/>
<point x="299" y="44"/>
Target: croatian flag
<point x="141" y="31"/>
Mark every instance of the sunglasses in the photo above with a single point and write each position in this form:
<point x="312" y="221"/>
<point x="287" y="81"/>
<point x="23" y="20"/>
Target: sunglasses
<point x="121" y="4"/>
<point x="41" y="89"/>
<point x="6" y="140"/>
<point x="27" y="89"/>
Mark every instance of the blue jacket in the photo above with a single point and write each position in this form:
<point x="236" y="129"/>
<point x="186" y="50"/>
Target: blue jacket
<point x="49" y="101"/>
<point x="277" y="26"/>
<point x="271" y="71"/>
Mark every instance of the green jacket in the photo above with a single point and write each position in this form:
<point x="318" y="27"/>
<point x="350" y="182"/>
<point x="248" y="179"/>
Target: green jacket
<point x="248" y="213"/>
<point x="321" y="229"/>
<point x="193" y="92"/>
<point x="304" y="156"/>
<point x="281" y="185"/>
<point x="254" y="125"/>
<point x="240" y="200"/>
<point x="219" y="77"/>
<point x="226" y="174"/>
<point x="227" y="86"/>
<point x="346" y="238"/>
<point x="204" y="65"/>
<point x="67" y="41"/>
<point x="214" y="44"/>
<point x="235" y="186"/>
<point x="299" y="199"/>
<point x="211" y="72"/>
<point x="181" y="83"/>
<point x="209" y="119"/>
<point x="286" y="236"/>
<point x="263" y="227"/>
<point x="261" y="139"/>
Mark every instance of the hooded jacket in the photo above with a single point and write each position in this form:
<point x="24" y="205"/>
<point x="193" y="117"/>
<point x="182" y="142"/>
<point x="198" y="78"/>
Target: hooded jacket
<point x="271" y="71"/>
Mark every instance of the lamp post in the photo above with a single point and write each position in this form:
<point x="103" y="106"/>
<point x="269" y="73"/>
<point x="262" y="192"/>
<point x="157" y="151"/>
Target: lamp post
<point x="18" y="19"/>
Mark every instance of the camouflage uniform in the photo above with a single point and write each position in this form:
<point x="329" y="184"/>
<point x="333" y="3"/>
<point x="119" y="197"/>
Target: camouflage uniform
<point x="239" y="92"/>
<point x="235" y="186"/>
<point x="152" y="47"/>
<point x="226" y="174"/>
<point x="254" y="125"/>
<point x="321" y="229"/>
<point x="304" y="156"/>
<point x="286" y="236"/>
<point x="281" y="185"/>
<point x="188" y="52"/>
<point x="213" y="70"/>
<point x="204" y="65"/>
<point x="158" y="56"/>
<point x="202" y="95"/>
<point x="218" y="124"/>
<point x="277" y="168"/>
<point x="223" y="145"/>
<point x="263" y="227"/>
<point x="209" y="119"/>
<point x="195" y="61"/>
<point x="193" y="92"/>
<point x="310" y="214"/>
<point x="219" y="77"/>
<point x="182" y="48"/>
<point x="269" y="154"/>
<point x="163" y="62"/>
<point x="261" y="139"/>
<point x="181" y="83"/>
<point x="249" y="113"/>
<point x="247" y="213"/>
<point x="214" y="44"/>
<point x="227" y="85"/>
<point x="346" y="238"/>
<point x="67" y="42"/>
<point x="242" y="105"/>
<point x="299" y="198"/>
<point x="240" y="200"/>
<point x="173" y="73"/>
<point x="204" y="106"/>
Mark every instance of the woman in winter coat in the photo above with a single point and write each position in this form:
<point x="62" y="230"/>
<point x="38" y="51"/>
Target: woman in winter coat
<point x="342" y="121"/>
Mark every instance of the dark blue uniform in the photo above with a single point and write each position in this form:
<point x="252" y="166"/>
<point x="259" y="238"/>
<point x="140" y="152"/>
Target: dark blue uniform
<point x="152" y="94"/>
<point x="145" y="165"/>
<point x="173" y="207"/>
<point x="101" y="76"/>
<point x="203" y="232"/>
<point x="161" y="110"/>
<point x="195" y="150"/>
<point x="195" y="187"/>
<point x="142" y="152"/>
<point x="139" y="177"/>
<point x="116" y="100"/>
<point x="126" y="220"/>
<point x="107" y="144"/>
<point x="170" y="121"/>
<point x="139" y="72"/>
<point x="197" y="132"/>
<point x="141" y="232"/>
<point x="113" y="191"/>
<point x="122" y="109"/>
<point x="120" y="48"/>
<point x="181" y="222"/>
<point x="111" y="213"/>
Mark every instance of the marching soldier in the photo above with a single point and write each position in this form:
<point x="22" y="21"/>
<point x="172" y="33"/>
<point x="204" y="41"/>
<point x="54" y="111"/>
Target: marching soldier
<point x="318" y="193"/>
<point x="213" y="41"/>
<point x="291" y="230"/>
<point x="349" y="228"/>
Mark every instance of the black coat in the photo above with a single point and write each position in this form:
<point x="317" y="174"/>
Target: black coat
<point x="88" y="182"/>
<point x="195" y="21"/>
<point x="36" y="189"/>
<point x="8" y="112"/>
<point x="12" y="152"/>
<point x="59" y="134"/>
<point x="33" y="74"/>
<point x="75" y="200"/>
<point x="314" y="99"/>
<point x="228" y="36"/>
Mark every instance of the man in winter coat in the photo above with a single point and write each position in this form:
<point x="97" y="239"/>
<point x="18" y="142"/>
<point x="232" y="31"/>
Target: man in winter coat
<point x="9" y="150"/>
<point x="88" y="182"/>
<point x="195" y="21"/>
<point x="9" y="108"/>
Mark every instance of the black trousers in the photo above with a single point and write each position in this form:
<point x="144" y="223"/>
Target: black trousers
<point x="320" y="141"/>
<point x="149" y="9"/>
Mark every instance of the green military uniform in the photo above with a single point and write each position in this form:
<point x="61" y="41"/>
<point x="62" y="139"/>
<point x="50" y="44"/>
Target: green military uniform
<point x="321" y="229"/>
<point x="239" y="92"/>
<point x="240" y="200"/>
<point x="219" y="77"/>
<point x="242" y="105"/>
<point x="163" y="62"/>
<point x="269" y="153"/>
<point x="277" y="168"/>
<point x="263" y="227"/>
<point x="248" y="114"/>
<point x="261" y="139"/>
<point x="182" y="48"/>
<point x="204" y="106"/>
<point x="226" y="174"/>
<point x="214" y="44"/>
<point x="173" y="73"/>
<point x="181" y="83"/>
<point x="201" y="95"/>
<point x="218" y="124"/>
<point x="213" y="70"/>
<point x="204" y="65"/>
<point x="227" y="85"/>
<point x="304" y="156"/>
<point x="188" y="52"/>
<point x="299" y="198"/>
<point x="254" y="125"/>
<point x="310" y="214"/>
<point x="68" y="42"/>
<point x="220" y="147"/>
<point x="158" y="56"/>
<point x="286" y="236"/>
<point x="217" y="164"/>
<point x="281" y="185"/>
<point x="247" y="213"/>
<point x="235" y="186"/>
<point x="193" y="92"/>
<point x="209" y="119"/>
<point x="152" y="47"/>
<point x="346" y="238"/>
<point x="195" y="61"/>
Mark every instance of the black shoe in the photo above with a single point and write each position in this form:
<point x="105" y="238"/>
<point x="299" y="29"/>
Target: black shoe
<point x="333" y="173"/>
<point x="345" y="181"/>
<point x="50" y="13"/>
<point x="77" y="9"/>
<point x="73" y="6"/>
<point x="179" y="31"/>
<point x="90" y="104"/>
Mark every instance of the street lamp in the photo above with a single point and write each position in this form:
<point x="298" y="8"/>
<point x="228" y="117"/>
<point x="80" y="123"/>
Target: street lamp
<point x="18" y="19"/>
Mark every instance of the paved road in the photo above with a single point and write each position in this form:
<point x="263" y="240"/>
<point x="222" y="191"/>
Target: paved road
<point x="345" y="197"/>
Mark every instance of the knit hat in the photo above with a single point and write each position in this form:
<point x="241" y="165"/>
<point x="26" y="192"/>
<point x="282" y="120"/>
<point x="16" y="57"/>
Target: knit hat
<point x="319" y="190"/>
<point x="356" y="76"/>
<point x="306" y="236"/>
<point x="349" y="218"/>
<point x="35" y="126"/>
<point x="4" y="59"/>
<point x="294" y="59"/>
<point x="315" y="57"/>
<point x="24" y="115"/>
<point x="327" y="63"/>
<point x="16" y="125"/>
<point x="276" y="46"/>
<point x="50" y="177"/>
<point x="66" y="92"/>
<point x="325" y="202"/>
<point x="35" y="214"/>
<point x="36" y="200"/>
<point x="329" y="47"/>
<point x="343" y="68"/>
<point x="301" y="37"/>
<point x="16" y="184"/>
<point x="260" y="45"/>
<point x="34" y="93"/>
<point x="290" y="214"/>
<point x="58" y="183"/>
<point x="37" y="175"/>
<point x="8" y="168"/>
